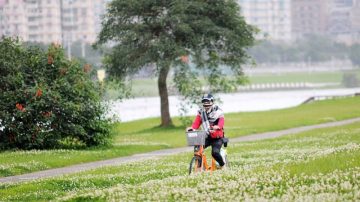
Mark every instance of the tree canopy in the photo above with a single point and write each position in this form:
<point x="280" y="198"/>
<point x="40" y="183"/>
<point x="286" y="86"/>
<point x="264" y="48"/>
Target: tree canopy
<point x="354" y="54"/>
<point x="313" y="48"/>
<point x="171" y="34"/>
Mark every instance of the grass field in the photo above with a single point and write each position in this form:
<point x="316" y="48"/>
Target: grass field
<point x="144" y="135"/>
<point x="148" y="87"/>
<point x="318" y="165"/>
<point x="313" y="77"/>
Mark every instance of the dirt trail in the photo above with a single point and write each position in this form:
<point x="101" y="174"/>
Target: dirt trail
<point x="160" y="153"/>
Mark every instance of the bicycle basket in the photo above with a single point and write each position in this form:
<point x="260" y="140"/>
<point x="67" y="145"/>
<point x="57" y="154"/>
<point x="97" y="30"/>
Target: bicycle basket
<point x="195" y="137"/>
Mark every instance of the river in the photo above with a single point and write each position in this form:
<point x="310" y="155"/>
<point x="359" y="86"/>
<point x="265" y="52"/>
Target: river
<point x="146" y="107"/>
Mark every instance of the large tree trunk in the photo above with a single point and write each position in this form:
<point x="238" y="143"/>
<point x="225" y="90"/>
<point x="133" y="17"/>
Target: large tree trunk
<point x="164" y="97"/>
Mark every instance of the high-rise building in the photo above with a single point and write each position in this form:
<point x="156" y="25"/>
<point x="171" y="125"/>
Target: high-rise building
<point x="99" y="11"/>
<point x="344" y="21"/>
<point x="338" y="19"/>
<point x="13" y="20"/>
<point x="79" y="21"/>
<point x="343" y="3"/>
<point x="309" y="17"/>
<point x="355" y="21"/>
<point x="355" y="17"/>
<point x="272" y="17"/>
<point x="46" y="21"/>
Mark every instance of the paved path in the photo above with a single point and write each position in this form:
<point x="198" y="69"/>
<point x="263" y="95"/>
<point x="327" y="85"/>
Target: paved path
<point x="160" y="153"/>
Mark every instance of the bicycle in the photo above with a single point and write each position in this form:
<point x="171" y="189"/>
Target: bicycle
<point x="199" y="162"/>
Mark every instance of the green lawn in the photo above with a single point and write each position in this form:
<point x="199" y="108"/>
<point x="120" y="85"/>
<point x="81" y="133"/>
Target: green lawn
<point x="148" y="87"/>
<point x="20" y="162"/>
<point x="295" y="167"/>
<point x="239" y="124"/>
<point x="144" y="135"/>
<point x="318" y="77"/>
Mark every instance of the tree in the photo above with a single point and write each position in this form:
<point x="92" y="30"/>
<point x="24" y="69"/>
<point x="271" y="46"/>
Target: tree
<point x="172" y="33"/>
<point x="354" y="54"/>
<point x="46" y="100"/>
<point x="91" y="56"/>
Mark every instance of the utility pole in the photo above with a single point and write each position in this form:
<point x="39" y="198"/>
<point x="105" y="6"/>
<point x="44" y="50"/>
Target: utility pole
<point x="62" y="23"/>
<point x="83" y="54"/>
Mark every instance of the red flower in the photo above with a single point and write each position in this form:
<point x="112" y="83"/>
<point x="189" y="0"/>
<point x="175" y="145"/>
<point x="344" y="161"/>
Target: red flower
<point x="87" y="68"/>
<point x="56" y="44"/>
<point x="63" y="71"/>
<point x="50" y="59"/>
<point x="38" y="93"/>
<point x="33" y="137"/>
<point x="184" y="59"/>
<point x="46" y="114"/>
<point x="20" y="107"/>
<point x="11" y="137"/>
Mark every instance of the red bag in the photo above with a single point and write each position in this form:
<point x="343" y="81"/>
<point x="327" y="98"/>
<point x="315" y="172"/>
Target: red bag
<point x="217" y="134"/>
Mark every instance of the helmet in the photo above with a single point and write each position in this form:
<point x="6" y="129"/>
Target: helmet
<point x="207" y="98"/>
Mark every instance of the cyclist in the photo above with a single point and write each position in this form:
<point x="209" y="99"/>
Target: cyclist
<point x="211" y="117"/>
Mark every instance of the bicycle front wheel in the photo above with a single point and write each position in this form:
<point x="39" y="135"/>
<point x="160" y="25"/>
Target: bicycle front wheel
<point x="195" y="165"/>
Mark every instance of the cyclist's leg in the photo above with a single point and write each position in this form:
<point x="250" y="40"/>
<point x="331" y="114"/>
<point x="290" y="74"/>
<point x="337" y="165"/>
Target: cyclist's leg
<point x="207" y="142"/>
<point x="215" y="152"/>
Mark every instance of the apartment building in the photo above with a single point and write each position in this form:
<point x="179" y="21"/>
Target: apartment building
<point x="309" y="17"/>
<point x="67" y="21"/>
<point x="13" y="22"/>
<point x="292" y="19"/>
<point x="44" y="21"/>
<point x="355" y="17"/>
<point x="355" y="22"/>
<point x="47" y="21"/>
<point x="79" y="20"/>
<point x="272" y="17"/>
<point x="338" y="19"/>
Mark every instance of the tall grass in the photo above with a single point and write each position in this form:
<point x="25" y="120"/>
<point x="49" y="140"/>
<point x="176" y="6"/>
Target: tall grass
<point x="282" y="169"/>
<point x="145" y="135"/>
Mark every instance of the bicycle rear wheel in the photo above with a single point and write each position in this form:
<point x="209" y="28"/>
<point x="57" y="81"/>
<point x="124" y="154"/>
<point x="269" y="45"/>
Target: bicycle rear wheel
<point x="227" y="163"/>
<point x="195" y="165"/>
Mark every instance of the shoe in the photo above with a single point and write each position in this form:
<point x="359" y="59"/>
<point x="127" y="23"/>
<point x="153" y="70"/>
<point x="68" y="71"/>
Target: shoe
<point x="224" y="167"/>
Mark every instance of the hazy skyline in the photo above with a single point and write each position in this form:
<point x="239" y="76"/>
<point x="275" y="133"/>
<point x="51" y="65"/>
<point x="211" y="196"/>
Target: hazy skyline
<point x="67" y="21"/>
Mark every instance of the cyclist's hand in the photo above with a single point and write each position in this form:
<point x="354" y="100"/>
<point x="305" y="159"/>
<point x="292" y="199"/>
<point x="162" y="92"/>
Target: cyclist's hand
<point x="216" y="127"/>
<point x="189" y="129"/>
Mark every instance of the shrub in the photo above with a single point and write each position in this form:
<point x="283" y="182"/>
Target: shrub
<point x="46" y="98"/>
<point x="350" y="80"/>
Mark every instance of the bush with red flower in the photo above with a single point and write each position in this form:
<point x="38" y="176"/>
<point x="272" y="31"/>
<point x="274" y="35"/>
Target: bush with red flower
<point x="45" y="99"/>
